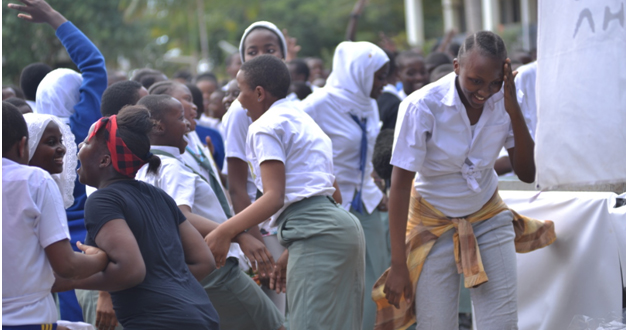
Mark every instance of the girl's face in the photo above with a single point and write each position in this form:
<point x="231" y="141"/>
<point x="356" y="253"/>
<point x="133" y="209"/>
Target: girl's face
<point x="379" y="80"/>
<point x="248" y="97"/>
<point x="89" y="155"/>
<point x="207" y="87"/>
<point x="50" y="150"/>
<point x="413" y="74"/>
<point x="175" y="125"/>
<point x="233" y="91"/>
<point x="261" y="41"/>
<point x="216" y="107"/>
<point x="479" y="77"/>
<point x="183" y="95"/>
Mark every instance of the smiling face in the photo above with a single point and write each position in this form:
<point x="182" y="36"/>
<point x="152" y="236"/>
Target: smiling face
<point x="248" y="97"/>
<point x="479" y="77"/>
<point x="89" y="155"/>
<point x="261" y="41"/>
<point x="379" y="80"/>
<point x="413" y="74"/>
<point x="207" y="87"/>
<point x="175" y="125"/>
<point x="232" y="93"/>
<point x="50" y="150"/>
<point x="216" y="107"/>
<point x="183" y="95"/>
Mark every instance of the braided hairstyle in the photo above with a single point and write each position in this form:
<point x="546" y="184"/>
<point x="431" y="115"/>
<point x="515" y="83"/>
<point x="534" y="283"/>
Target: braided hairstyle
<point x="488" y="43"/>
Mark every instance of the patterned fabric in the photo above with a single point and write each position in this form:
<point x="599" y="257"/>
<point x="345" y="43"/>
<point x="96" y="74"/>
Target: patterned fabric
<point x="123" y="159"/>
<point x="426" y="224"/>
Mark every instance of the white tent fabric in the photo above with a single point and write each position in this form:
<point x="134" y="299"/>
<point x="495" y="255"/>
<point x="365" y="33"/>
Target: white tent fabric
<point x="581" y="93"/>
<point x="583" y="272"/>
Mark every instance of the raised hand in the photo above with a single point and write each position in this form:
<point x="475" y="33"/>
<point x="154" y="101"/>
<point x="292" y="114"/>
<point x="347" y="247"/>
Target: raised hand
<point x="38" y="11"/>
<point x="293" y="47"/>
<point x="510" y="91"/>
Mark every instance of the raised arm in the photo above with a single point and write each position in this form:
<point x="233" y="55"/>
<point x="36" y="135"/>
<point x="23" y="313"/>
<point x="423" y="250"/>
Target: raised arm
<point x="353" y="20"/>
<point x="522" y="154"/>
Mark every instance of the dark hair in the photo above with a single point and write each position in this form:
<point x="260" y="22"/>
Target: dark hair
<point x="392" y="65"/>
<point x="300" y="67"/>
<point x="13" y="126"/>
<point x="147" y="77"/>
<point x="382" y="153"/>
<point x="18" y="103"/>
<point x="157" y="104"/>
<point x="118" y="95"/>
<point x="436" y="59"/>
<point x="206" y="76"/>
<point x="30" y="78"/>
<point x="488" y="43"/>
<point x="301" y="89"/>
<point x="441" y="71"/>
<point x="134" y="124"/>
<point x="164" y="87"/>
<point x="17" y="90"/>
<point x="268" y="72"/>
<point x="184" y="74"/>
<point x="408" y="54"/>
<point x="197" y="98"/>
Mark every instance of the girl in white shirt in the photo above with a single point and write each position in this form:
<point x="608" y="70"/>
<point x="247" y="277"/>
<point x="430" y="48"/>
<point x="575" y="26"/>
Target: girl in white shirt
<point x="346" y="110"/>
<point x="292" y="164"/>
<point x="449" y="133"/>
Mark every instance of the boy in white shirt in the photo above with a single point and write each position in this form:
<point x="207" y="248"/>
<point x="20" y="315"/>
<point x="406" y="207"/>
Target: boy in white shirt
<point x="35" y="237"/>
<point x="292" y="164"/>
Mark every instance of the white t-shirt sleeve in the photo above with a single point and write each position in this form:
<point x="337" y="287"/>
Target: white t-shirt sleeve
<point x="236" y="128"/>
<point x="177" y="183"/>
<point x="410" y="142"/>
<point x="266" y="145"/>
<point x="52" y="224"/>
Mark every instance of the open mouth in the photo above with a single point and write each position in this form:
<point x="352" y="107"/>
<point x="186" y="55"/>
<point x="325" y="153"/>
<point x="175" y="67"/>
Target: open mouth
<point x="58" y="160"/>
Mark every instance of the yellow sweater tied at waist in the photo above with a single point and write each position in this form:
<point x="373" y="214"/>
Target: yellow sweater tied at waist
<point x="426" y="224"/>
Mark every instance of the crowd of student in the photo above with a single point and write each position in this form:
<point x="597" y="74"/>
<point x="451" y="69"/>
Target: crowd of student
<point x="188" y="186"/>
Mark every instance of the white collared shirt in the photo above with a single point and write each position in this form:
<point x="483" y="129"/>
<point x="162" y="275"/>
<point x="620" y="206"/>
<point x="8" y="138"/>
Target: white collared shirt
<point x="185" y="187"/>
<point x="433" y="137"/>
<point x="33" y="217"/>
<point x="236" y="125"/>
<point x="346" y="135"/>
<point x="287" y="134"/>
<point x="525" y="81"/>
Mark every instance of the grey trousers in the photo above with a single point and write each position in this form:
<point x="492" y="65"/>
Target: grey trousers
<point x="325" y="284"/>
<point x="494" y="302"/>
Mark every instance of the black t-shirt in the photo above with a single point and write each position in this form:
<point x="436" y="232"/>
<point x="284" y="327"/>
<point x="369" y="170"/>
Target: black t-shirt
<point x="169" y="297"/>
<point x="388" y="105"/>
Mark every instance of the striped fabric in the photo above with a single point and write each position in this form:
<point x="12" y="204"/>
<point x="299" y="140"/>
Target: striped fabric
<point x="426" y="224"/>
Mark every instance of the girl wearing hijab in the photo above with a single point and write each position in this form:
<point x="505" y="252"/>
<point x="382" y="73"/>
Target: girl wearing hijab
<point x="258" y="39"/>
<point x="75" y="98"/>
<point x="52" y="148"/>
<point x="346" y="111"/>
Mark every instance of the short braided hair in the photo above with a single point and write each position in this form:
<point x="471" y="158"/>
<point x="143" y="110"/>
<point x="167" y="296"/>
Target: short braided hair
<point x="488" y="43"/>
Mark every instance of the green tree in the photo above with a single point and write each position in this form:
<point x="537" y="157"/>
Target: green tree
<point x="102" y="21"/>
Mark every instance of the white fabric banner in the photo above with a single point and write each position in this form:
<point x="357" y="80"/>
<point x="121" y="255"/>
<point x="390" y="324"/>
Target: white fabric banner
<point x="581" y="93"/>
<point x="581" y="272"/>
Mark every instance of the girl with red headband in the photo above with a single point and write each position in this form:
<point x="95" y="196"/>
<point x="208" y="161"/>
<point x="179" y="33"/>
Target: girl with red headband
<point x="157" y="257"/>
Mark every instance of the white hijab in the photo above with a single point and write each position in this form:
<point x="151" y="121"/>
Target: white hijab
<point x="351" y="79"/>
<point x="65" y="180"/>
<point x="58" y="93"/>
<point x="269" y="26"/>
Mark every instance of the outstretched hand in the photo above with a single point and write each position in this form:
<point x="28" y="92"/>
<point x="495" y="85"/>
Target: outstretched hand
<point x="38" y="11"/>
<point x="510" y="91"/>
<point x="293" y="47"/>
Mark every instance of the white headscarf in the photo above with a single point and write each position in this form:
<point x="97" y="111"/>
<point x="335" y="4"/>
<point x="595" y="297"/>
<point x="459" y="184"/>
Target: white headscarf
<point x="58" y="93"/>
<point x="65" y="180"/>
<point x="269" y="26"/>
<point x="351" y="79"/>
